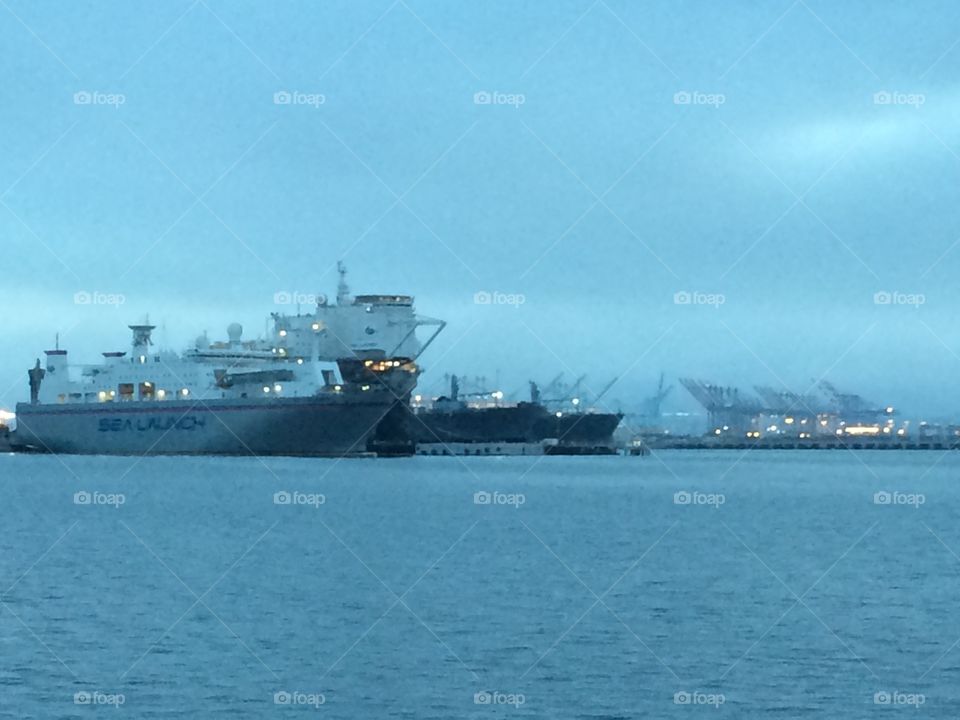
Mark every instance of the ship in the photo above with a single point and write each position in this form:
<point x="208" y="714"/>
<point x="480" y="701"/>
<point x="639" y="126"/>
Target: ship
<point x="227" y="398"/>
<point x="371" y="331"/>
<point x="452" y="425"/>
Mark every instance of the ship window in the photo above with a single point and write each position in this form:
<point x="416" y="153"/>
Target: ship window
<point x="61" y="397"/>
<point x="146" y="391"/>
<point x="125" y="390"/>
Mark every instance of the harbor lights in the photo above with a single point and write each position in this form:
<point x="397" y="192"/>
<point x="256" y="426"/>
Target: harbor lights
<point x="575" y="401"/>
<point x="266" y="388"/>
<point x="278" y="388"/>
<point x="316" y="327"/>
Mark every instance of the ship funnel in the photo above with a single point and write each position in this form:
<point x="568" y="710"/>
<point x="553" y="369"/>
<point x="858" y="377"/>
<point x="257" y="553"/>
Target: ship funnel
<point x="35" y="374"/>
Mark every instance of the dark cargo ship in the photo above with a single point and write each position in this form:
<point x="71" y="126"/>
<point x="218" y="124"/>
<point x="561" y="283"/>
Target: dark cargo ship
<point x="452" y="421"/>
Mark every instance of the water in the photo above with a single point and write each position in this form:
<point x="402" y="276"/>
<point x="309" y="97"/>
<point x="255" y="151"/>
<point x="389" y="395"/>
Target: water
<point x="581" y="590"/>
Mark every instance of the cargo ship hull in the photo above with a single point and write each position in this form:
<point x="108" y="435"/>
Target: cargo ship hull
<point x="519" y="424"/>
<point x="525" y="423"/>
<point x="331" y="426"/>
<point x="583" y="429"/>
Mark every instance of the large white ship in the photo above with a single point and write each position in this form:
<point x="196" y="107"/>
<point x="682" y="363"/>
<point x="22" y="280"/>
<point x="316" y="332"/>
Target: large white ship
<point x="231" y="397"/>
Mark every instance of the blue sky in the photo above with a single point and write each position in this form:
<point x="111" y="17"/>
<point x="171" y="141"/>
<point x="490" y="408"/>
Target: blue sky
<point x="786" y="186"/>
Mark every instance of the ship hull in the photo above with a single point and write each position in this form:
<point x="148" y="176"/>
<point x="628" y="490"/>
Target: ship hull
<point x="318" y="426"/>
<point x="524" y="423"/>
<point x="519" y="424"/>
<point x="582" y="430"/>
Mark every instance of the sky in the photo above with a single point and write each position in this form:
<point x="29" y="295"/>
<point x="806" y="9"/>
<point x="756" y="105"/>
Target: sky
<point x="752" y="193"/>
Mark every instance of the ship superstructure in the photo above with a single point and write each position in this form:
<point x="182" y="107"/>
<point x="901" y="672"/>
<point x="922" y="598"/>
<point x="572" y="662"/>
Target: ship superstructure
<point x="362" y="326"/>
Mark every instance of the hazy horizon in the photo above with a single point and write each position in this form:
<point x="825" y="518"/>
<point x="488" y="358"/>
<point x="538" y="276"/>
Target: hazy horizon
<point x="752" y="195"/>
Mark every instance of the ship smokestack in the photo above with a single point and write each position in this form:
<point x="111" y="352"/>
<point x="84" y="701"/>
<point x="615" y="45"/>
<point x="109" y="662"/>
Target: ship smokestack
<point x="36" y="374"/>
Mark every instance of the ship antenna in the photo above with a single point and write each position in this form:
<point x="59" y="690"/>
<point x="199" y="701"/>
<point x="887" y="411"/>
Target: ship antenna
<point x="343" y="290"/>
<point x="57" y="342"/>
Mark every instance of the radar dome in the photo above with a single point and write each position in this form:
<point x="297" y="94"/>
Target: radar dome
<point x="235" y="332"/>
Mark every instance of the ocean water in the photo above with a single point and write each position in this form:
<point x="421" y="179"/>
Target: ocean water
<point x="690" y="583"/>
